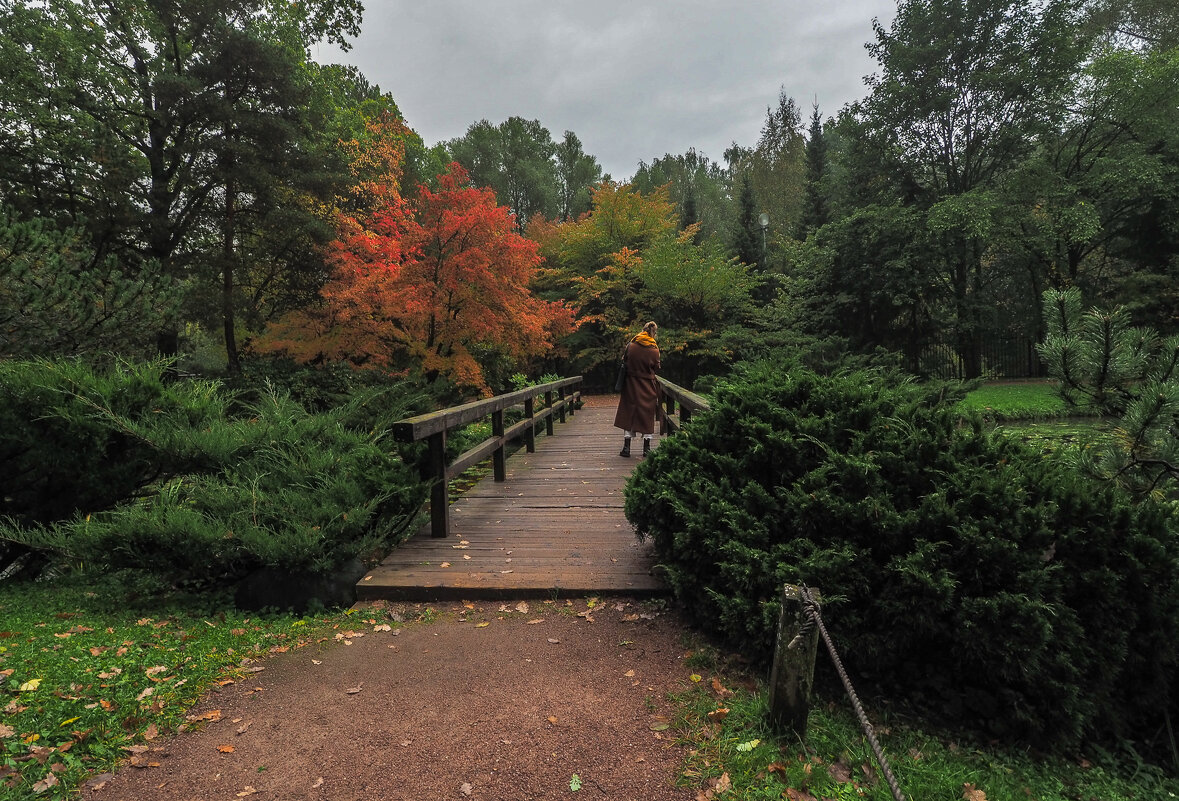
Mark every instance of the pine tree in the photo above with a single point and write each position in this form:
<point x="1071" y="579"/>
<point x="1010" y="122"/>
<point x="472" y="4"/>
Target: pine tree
<point x="814" y="209"/>
<point x="747" y="237"/>
<point x="1106" y="365"/>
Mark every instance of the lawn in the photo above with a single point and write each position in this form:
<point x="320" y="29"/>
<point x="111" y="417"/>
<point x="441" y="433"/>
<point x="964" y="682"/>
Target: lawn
<point x="94" y="669"/>
<point x="1017" y="400"/>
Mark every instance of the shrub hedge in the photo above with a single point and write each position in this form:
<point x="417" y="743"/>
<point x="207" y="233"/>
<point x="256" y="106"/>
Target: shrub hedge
<point x="963" y="572"/>
<point x="184" y="479"/>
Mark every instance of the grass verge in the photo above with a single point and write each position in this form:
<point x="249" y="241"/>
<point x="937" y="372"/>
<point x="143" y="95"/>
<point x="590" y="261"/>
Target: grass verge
<point x="735" y="755"/>
<point x="93" y="669"/>
<point x="1018" y="400"/>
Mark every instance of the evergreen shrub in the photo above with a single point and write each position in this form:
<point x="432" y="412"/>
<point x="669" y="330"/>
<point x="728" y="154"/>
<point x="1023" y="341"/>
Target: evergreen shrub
<point x="198" y="486"/>
<point x="962" y="572"/>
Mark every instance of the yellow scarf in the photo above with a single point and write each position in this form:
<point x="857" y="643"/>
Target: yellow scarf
<point x="645" y="339"/>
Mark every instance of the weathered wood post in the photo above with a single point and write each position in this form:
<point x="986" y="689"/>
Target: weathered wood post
<point x="439" y="492"/>
<point x="548" y="420"/>
<point x="498" y="460"/>
<point x="530" y="437"/>
<point x="793" y="674"/>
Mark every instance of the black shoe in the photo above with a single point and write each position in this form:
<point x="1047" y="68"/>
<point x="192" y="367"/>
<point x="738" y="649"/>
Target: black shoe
<point x="625" y="448"/>
<point x="646" y="448"/>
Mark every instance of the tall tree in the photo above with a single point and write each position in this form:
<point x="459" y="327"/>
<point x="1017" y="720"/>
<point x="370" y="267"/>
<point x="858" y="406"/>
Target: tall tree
<point x="697" y="185"/>
<point x="152" y="123"/>
<point x="517" y="160"/>
<point x="965" y="89"/>
<point x="577" y="174"/>
<point x="814" y="209"/>
<point x="747" y="240"/>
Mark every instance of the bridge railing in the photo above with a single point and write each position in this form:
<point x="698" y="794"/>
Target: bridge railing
<point x="669" y="396"/>
<point x="560" y="398"/>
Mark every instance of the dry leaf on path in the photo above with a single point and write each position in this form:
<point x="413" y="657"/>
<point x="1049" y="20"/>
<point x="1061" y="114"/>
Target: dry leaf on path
<point x="356" y="689"/>
<point x="226" y="749"/>
<point x="245" y="726"/>
<point x="317" y="783"/>
<point x="248" y="790"/>
<point x="798" y="795"/>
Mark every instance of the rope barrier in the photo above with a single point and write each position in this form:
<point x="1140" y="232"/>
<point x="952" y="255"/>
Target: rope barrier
<point x="813" y="618"/>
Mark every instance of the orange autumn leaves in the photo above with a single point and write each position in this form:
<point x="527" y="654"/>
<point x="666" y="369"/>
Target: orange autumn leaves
<point x="423" y="283"/>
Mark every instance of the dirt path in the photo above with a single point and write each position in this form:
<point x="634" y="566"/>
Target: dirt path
<point x="496" y="701"/>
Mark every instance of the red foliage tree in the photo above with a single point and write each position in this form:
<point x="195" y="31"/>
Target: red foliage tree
<point x="417" y="286"/>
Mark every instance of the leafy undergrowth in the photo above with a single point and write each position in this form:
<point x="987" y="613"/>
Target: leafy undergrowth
<point x="1017" y="400"/>
<point x="735" y="755"/>
<point x="90" y="677"/>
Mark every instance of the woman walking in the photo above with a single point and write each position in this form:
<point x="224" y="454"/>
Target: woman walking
<point x="640" y="391"/>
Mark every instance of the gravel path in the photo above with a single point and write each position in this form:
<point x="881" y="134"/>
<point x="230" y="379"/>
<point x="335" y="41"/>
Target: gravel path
<point x="494" y="701"/>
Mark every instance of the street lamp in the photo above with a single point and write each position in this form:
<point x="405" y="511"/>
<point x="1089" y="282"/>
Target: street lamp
<point x="764" y="219"/>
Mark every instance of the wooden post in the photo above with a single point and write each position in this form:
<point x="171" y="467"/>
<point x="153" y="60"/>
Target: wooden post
<point x="530" y="437"/>
<point x="548" y="418"/>
<point x="561" y="404"/>
<point x="439" y="494"/>
<point x="497" y="456"/>
<point x="793" y="674"/>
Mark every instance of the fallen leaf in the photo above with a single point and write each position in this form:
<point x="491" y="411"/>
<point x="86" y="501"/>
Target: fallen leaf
<point x="484" y="624"/>
<point x="49" y="781"/>
<point x="244" y="727"/>
<point x="522" y="607"/>
<point x="355" y="690"/>
<point x="146" y="692"/>
<point x="445" y="564"/>
<point x="629" y="674"/>
<point x="839" y="772"/>
<point x="553" y="719"/>
<point x="248" y="790"/>
<point x="630" y="618"/>
<point x="553" y="640"/>
<point x="225" y="749"/>
<point x="382" y="627"/>
<point x="798" y="795"/>
<point x="151" y="732"/>
<point x="316" y="662"/>
<point x="696" y="677"/>
<point x="723" y="784"/>
<point x="749" y="745"/>
<point x="319" y="782"/>
<point x="466" y="789"/>
<point x="535" y="621"/>
<point x="29" y="686"/>
<point x="720" y="689"/>
<point x="776" y="767"/>
<point x="719" y="714"/>
<point x="971" y="793"/>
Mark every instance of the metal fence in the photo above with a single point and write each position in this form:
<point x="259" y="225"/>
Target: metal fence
<point x="1001" y="357"/>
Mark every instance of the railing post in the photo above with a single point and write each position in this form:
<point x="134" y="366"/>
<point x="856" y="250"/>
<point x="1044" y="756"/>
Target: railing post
<point x="793" y="674"/>
<point x="548" y="419"/>
<point x="572" y="400"/>
<point x="530" y="437"/>
<point x="439" y="492"/>
<point x="497" y="456"/>
<point x="561" y="401"/>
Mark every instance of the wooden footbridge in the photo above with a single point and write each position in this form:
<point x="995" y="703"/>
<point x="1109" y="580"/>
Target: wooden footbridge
<point x="546" y="522"/>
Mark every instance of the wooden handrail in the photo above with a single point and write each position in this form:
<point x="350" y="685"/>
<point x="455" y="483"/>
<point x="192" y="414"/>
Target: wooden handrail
<point x="670" y="394"/>
<point x="433" y="427"/>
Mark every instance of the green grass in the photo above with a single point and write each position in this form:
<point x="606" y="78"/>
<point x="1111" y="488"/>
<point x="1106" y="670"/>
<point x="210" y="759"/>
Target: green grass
<point x="737" y="749"/>
<point x="1018" y="400"/>
<point x="89" y="667"/>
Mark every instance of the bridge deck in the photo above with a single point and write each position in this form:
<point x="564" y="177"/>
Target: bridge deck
<point x="554" y="528"/>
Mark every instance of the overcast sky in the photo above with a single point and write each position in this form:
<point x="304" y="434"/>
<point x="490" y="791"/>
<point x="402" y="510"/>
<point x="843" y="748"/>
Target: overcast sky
<point x="634" y="79"/>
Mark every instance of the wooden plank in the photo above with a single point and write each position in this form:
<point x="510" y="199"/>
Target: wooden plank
<point x="554" y="527"/>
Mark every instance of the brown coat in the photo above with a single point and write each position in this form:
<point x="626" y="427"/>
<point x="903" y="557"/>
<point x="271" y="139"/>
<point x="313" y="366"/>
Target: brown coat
<point x="640" y="392"/>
